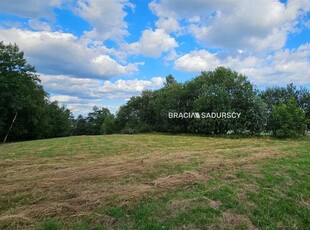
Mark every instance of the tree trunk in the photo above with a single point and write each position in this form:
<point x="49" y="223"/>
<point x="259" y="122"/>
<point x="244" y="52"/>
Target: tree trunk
<point x="7" y="134"/>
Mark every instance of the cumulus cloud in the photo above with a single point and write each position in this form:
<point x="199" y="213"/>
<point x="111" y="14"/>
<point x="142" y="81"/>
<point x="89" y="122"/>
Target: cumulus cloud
<point x="71" y="86"/>
<point x="30" y="8"/>
<point x="64" y="53"/>
<point x="187" y="9"/>
<point x="39" y="25"/>
<point x="81" y="105"/>
<point x="281" y="67"/>
<point x="127" y="88"/>
<point x="81" y="94"/>
<point x="153" y="43"/>
<point x="168" y="24"/>
<point x="106" y="17"/>
<point x="68" y="99"/>
<point x="253" y="25"/>
<point x="197" y="61"/>
<point x="96" y="89"/>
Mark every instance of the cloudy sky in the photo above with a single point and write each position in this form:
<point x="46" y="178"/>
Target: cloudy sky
<point x="102" y="52"/>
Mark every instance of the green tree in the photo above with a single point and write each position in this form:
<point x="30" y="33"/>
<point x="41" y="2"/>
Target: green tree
<point x="166" y="100"/>
<point x="137" y="115"/>
<point x="221" y="90"/>
<point x="170" y="80"/>
<point x="108" y="126"/>
<point x="224" y="90"/>
<point x="95" y="120"/>
<point x="288" y="120"/>
<point x="275" y="96"/>
<point x="21" y="95"/>
<point x="79" y="126"/>
<point x="59" y="120"/>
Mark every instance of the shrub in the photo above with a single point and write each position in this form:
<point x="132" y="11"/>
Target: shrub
<point x="288" y="120"/>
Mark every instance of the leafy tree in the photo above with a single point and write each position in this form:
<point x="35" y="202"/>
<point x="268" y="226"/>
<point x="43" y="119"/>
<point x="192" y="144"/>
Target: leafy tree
<point x="288" y="120"/>
<point x="275" y="96"/>
<point x="79" y="126"/>
<point x="303" y="98"/>
<point x="59" y="120"/>
<point x="95" y="120"/>
<point x="137" y="115"/>
<point x="25" y="109"/>
<point x="108" y="126"/>
<point x="92" y="124"/>
<point x="21" y="95"/>
<point x="257" y="114"/>
<point x="170" y="99"/>
<point x="170" y="80"/>
<point x="224" y="90"/>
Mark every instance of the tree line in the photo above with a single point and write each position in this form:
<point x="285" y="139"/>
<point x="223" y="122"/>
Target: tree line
<point x="282" y="111"/>
<point x="27" y="112"/>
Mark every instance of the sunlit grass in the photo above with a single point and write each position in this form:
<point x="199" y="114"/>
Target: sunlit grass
<point x="155" y="181"/>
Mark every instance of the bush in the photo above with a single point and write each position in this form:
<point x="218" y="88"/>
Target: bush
<point x="288" y="120"/>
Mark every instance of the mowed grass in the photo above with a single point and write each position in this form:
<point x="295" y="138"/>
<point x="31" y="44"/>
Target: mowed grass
<point x="155" y="181"/>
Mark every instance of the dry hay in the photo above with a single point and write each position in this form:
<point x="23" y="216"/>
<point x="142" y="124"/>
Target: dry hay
<point x="215" y="204"/>
<point x="66" y="187"/>
<point x="172" y="181"/>
<point x="233" y="220"/>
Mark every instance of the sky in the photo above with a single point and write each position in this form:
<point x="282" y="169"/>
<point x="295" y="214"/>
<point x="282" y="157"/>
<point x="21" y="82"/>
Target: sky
<point x="102" y="52"/>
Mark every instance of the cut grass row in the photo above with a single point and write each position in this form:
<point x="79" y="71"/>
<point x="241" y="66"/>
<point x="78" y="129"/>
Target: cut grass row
<point x="155" y="182"/>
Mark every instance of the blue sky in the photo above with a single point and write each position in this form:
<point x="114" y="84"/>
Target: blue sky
<point x="102" y="52"/>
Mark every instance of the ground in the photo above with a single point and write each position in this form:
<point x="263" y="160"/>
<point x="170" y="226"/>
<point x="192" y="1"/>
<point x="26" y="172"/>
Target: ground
<point x="155" y="181"/>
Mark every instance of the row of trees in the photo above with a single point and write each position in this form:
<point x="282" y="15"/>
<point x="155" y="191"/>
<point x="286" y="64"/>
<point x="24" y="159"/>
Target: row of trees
<point x="95" y="123"/>
<point x="284" y="111"/>
<point x="27" y="112"/>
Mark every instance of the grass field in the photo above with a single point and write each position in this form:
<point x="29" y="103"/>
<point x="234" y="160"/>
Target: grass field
<point x="155" y="182"/>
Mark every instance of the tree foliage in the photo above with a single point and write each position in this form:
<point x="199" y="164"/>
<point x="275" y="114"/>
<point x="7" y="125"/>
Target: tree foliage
<point x="222" y="90"/>
<point x="288" y="120"/>
<point x="275" y="96"/>
<point x="27" y="113"/>
<point x="22" y="96"/>
<point x="92" y="123"/>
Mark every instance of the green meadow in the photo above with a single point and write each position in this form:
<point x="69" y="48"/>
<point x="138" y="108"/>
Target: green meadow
<point x="155" y="181"/>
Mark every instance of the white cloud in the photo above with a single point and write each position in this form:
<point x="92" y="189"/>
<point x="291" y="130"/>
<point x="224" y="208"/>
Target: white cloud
<point x="71" y="86"/>
<point x="106" y="17"/>
<point x="187" y="9"/>
<point x="259" y="26"/>
<point x="30" y="8"/>
<point x="128" y="88"/>
<point x="197" y="61"/>
<point x="95" y="89"/>
<point x="67" y="99"/>
<point x="63" y="53"/>
<point x="168" y="24"/>
<point x="282" y="67"/>
<point x="153" y="43"/>
<point x="39" y="25"/>
<point x="81" y="94"/>
<point x="82" y="106"/>
<point x="194" y="19"/>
